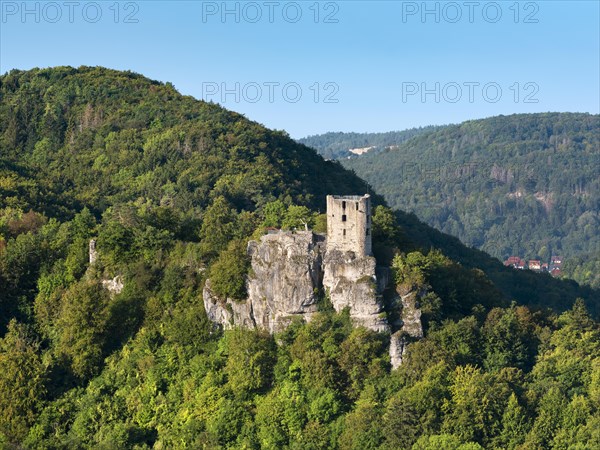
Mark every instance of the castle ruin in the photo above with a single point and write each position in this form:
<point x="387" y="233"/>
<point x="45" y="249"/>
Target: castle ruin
<point x="290" y="269"/>
<point x="349" y="224"/>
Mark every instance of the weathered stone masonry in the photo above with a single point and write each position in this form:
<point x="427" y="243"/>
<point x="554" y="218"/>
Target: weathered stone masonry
<point x="349" y="224"/>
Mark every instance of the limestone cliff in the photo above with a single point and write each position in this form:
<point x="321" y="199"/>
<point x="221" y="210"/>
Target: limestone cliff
<point x="226" y="312"/>
<point x="285" y="277"/>
<point x="410" y="325"/>
<point x="284" y="282"/>
<point x="351" y="282"/>
<point x="288" y="271"/>
<point x="411" y="311"/>
<point x="398" y="347"/>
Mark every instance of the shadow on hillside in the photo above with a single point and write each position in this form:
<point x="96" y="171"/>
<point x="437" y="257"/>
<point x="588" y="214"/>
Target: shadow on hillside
<point x="537" y="290"/>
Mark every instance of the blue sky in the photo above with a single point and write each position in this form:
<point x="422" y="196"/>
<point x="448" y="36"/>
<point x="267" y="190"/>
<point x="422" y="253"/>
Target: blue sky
<point x="311" y="67"/>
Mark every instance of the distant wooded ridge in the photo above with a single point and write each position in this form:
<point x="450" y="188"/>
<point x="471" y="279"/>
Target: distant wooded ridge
<point x="340" y="145"/>
<point x="524" y="184"/>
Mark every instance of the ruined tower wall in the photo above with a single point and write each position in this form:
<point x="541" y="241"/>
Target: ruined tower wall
<point x="349" y="224"/>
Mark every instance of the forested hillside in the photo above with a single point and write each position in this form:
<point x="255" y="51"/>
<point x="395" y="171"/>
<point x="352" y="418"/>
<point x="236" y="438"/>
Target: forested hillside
<point x="338" y="145"/>
<point x="525" y="185"/>
<point x="584" y="269"/>
<point x="119" y="353"/>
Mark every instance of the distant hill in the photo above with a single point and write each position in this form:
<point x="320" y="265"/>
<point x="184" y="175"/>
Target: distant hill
<point x="348" y="145"/>
<point x="526" y="185"/>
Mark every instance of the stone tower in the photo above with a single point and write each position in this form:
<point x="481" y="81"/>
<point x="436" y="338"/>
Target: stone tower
<point x="349" y="223"/>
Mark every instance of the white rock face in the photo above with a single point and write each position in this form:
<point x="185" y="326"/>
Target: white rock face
<point x="411" y="327"/>
<point x="283" y="283"/>
<point x="411" y="314"/>
<point x="285" y="277"/>
<point x="398" y="347"/>
<point x="351" y="282"/>
<point x="288" y="272"/>
<point x="114" y="286"/>
<point x="227" y="313"/>
<point x="93" y="253"/>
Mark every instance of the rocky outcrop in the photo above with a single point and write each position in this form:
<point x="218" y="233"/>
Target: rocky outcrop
<point x="114" y="285"/>
<point x="411" y="312"/>
<point x="93" y="253"/>
<point x="398" y="347"/>
<point x="226" y="312"/>
<point x="288" y="272"/>
<point x="285" y="277"/>
<point x="410" y="325"/>
<point x="351" y="282"/>
<point x="284" y="283"/>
